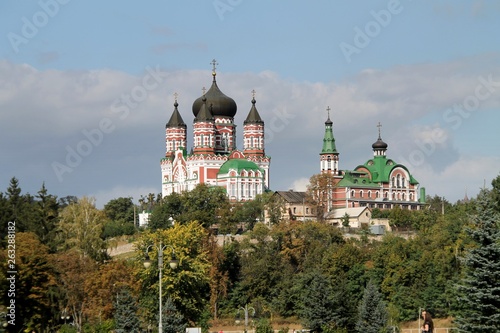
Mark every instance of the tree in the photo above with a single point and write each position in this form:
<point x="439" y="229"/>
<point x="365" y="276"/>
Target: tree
<point x="47" y="210"/>
<point x="126" y="319"/>
<point x="372" y="313"/>
<point x="120" y="213"/>
<point x="320" y="192"/>
<point x="34" y="284"/>
<point x="81" y="226"/>
<point x="478" y="290"/>
<point x="188" y="284"/>
<point x="318" y="307"/>
<point x="173" y="321"/>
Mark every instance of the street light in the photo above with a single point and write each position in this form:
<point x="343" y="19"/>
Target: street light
<point x="65" y="316"/>
<point x="245" y="311"/>
<point x="173" y="264"/>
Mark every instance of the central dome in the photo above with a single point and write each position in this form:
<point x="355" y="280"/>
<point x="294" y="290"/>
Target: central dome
<point x="219" y="104"/>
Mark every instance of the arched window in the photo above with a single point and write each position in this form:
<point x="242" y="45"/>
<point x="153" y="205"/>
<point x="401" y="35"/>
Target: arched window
<point x="352" y="194"/>
<point x="361" y="193"/>
<point x="377" y="194"/>
<point x="369" y="194"/>
<point x="393" y="182"/>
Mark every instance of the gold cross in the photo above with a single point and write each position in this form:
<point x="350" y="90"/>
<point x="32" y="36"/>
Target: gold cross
<point x="253" y="93"/>
<point x="175" y="96"/>
<point x="379" y="126"/>
<point x="204" y="90"/>
<point x="328" y="110"/>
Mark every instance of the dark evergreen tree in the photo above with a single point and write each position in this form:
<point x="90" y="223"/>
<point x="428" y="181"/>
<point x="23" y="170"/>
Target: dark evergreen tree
<point x="46" y="212"/>
<point x="479" y="289"/>
<point x="172" y="320"/>
<point x="126" y="319"/>
<point x="372" y="313"/>
<point x="318" y="306"/>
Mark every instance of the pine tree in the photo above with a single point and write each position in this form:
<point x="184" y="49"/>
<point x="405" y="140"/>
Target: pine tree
<point x="479" y="289"/>
<point x="372" y="314"/>
<point x="318" y="305"/>
<point x="126" y="313"/>
<point x="173" y="320"/>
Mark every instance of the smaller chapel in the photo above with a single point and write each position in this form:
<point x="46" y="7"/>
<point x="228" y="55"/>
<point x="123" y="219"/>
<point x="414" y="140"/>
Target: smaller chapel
<point x="214" y="158"/>
<point x="378" y="183"/>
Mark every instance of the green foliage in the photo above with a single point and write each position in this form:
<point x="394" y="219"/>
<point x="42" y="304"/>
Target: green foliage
<point x="479" y="301"/>
<point x="372" y="313"/>
<point x="318" y="306"/>
<point x="188" y="284"/>
<point x="263" y="326"/>
<point x="172" y="320"/>
<point x="126" y="319"/>
<point x="120" y="214"/>
<point x="80" y="228"/>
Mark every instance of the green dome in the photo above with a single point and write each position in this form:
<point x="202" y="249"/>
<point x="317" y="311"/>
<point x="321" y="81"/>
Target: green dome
<point x="238" y="164"/>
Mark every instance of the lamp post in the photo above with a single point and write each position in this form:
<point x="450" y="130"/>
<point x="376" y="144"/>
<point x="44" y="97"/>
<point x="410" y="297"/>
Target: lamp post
<point x="173" y="264"/>
<point x="65" y="316"/>
<point x="246" y="309"/>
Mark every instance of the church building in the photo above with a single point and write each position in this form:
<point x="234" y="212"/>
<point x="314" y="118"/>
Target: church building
<point x="378" y="183"/>
<point x="214" y="158"/>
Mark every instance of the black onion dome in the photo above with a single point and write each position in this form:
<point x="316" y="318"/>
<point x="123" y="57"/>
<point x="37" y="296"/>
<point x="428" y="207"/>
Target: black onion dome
<point x="328" y="121"/>
<point x="379" y="144"/>
<point x="176" y="119"/>
<point x="253" y="116"/>
<point x="204" y="113"/>
<point x="221" y="105"/>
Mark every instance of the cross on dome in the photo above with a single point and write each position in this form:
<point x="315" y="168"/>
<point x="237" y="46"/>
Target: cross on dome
<point x="214" y="66"/>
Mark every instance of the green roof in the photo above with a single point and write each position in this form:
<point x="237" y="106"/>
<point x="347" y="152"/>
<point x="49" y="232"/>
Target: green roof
<point x="238" y="164"/>
<point x="381" y="167"/>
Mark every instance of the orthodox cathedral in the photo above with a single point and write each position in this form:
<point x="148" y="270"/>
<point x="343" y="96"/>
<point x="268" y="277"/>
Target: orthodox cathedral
<point x="214" y="158"/>
<point x="378" y="183"/>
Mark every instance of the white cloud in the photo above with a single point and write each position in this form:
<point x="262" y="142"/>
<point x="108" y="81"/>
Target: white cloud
<point x="43" y="112"/>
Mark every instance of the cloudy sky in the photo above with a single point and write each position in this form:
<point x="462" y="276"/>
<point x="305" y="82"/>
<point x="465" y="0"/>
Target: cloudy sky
<point x="86" y="87"/>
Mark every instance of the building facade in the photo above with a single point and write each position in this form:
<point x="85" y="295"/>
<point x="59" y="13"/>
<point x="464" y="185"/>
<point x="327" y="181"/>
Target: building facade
<point x="214" y="158"/>
<point x="378" y="183"/>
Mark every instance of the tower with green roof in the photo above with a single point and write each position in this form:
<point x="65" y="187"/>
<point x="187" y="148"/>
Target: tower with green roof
<point x="329" y="156"/>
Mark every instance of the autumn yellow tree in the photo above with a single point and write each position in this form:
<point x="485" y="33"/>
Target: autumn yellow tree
<point x="187" y="285"/>
<point x="80" y="228"/>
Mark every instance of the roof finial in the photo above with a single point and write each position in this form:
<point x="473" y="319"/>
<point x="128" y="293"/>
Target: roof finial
<point x="379" y="125"/>
<point x="175" y="99"/>
<point x="253" y="93"/>
<point x="328" y="110"/>
<point x="214" y="64"/>
<point x="204" y="90"/>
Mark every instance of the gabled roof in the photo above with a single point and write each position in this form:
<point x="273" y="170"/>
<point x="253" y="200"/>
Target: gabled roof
<point x="338" y="213"/>
<point x="292" y="196"/>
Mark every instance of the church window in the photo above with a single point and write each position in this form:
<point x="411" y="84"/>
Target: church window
<point x="399" y="181"/>
<point x="377" y="194"/>
<point x="352" y="194"/>
<point x="294" y="210"/>
<point x="361" y="193"/>
<point x="369" y="194"/>
<point x="403" y="180"/>
<point x="403" y="196"/>
<point x="329" y="163"/>
<point x="411" y="196"/>
<point x="393" y="182"/>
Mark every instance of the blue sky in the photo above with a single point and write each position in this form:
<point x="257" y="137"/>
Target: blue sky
<point x="427" y="70"/>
